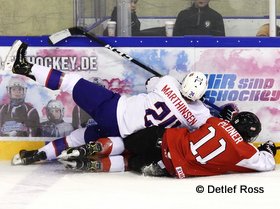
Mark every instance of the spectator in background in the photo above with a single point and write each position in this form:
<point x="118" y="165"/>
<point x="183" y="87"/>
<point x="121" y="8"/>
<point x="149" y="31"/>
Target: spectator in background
<point x="199" y="19"/>
<point x="135" y="23"/>
<point x="18" y="118"/>
<point x="55" y="126"/>
<point x="264" y="30"/>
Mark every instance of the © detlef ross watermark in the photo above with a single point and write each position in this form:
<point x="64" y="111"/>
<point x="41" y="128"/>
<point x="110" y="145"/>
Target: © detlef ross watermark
<point x="240" y="189"/>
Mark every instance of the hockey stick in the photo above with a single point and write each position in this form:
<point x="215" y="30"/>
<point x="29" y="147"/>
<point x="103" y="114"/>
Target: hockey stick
<point x="61" y="35"/>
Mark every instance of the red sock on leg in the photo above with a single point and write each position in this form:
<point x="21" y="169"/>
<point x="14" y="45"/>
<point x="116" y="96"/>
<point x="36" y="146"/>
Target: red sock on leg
<point x="107" y="146"/>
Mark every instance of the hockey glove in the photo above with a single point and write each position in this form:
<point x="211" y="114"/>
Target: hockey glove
<point x="151" y="83"/>
<point x="228" y="111"/>
<point x="268" y="146"/>
<point x="153" y="170"/>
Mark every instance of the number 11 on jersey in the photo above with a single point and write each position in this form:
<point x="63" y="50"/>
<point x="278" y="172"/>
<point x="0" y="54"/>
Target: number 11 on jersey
<point x="203" y="142"/>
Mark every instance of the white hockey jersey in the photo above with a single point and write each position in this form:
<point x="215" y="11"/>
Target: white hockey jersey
<point x="163" y="106"/>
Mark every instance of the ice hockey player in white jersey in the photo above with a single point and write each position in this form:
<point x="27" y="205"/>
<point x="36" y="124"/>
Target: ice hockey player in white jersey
<point x="169" y="104"/>
<point x="55" y="126"/>
<point x="18" y="118"/>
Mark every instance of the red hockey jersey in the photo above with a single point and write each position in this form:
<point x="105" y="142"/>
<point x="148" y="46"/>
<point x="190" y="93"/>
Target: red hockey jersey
<point x="215" y="148"/>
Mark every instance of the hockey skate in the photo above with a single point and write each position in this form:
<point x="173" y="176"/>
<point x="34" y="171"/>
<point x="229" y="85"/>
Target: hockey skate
<point x="84" y="164"/>
<point x="81" y="151"/>
<point x="25" y="157"/>
<point x="16" y="60"/>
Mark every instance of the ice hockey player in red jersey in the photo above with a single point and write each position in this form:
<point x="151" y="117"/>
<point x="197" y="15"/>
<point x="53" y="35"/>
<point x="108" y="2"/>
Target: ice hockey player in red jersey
<point x="217" y="147"/>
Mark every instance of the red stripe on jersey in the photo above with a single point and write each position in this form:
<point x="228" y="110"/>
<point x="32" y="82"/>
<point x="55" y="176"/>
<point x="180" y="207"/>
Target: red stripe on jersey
<point x="48" y="77"/>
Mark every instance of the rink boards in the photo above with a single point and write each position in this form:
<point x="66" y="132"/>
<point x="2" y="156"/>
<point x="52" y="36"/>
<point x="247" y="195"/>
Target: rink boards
<point x="9" y="148"/>
<point x="243" y="71"/>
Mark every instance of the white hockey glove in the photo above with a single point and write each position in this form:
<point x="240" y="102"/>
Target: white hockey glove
<point x="151" y="83"/>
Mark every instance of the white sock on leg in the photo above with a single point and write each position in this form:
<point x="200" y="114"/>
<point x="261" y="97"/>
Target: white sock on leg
<point x="41" y="73"/>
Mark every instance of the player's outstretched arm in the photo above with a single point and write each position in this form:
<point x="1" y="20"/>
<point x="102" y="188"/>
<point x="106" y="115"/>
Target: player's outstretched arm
<point x="269" y="147"/>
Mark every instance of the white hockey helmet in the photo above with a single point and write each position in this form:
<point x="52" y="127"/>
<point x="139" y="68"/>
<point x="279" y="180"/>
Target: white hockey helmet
<point x="54" y="104"/>
<point x="194" y="86"/>
<point x="16" y="82"/>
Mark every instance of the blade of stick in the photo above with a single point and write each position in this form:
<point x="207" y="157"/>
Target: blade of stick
<point x="59" y="36"/>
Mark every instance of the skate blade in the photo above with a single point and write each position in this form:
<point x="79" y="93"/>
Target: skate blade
<point x="66" y="156"/>
<point x="11" y="57"/>
<point x="68" y="164"/>
<point x="17" y="160"/>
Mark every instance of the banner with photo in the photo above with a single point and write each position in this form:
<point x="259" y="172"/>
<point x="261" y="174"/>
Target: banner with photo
<point x="246" y="77"/>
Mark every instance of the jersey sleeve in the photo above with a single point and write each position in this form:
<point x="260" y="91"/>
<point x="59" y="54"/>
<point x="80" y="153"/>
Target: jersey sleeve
<point x="260" y="161"/>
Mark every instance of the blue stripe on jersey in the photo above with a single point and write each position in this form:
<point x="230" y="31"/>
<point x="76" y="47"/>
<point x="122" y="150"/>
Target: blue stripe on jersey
<point x="60" y="145"/>
<point x="54" y="79"/>
<point x="100" y="103"/>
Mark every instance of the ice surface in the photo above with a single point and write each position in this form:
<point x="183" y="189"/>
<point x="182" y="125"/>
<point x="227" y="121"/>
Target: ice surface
<point x="51" y="186"/>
